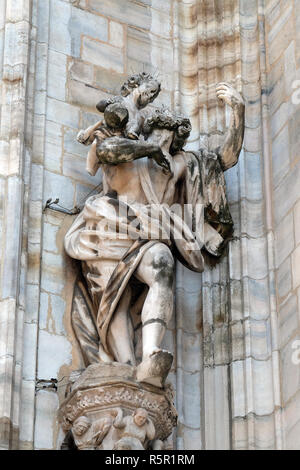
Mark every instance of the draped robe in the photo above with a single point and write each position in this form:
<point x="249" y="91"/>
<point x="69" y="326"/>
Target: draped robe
<point x="108" y="234"/>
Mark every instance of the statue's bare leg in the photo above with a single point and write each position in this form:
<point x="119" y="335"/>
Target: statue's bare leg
<point x="120" y="335"/>
<point x="157" y="271"/>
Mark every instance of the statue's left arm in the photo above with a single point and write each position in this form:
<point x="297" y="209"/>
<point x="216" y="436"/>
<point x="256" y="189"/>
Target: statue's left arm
<point x="231" y="148"/>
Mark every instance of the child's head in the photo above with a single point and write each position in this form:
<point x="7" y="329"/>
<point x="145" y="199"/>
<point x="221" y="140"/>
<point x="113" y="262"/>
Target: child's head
<point x="143" y="86"/>
<point x="116" y="116"/>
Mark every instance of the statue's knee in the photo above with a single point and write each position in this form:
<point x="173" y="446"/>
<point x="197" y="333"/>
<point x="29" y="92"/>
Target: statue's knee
<point x="163" y="266"/>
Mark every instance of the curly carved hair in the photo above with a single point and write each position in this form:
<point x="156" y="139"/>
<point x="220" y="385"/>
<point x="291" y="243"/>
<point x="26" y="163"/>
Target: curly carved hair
<point x="163" y="118"/>
<point x="136" y="80"/>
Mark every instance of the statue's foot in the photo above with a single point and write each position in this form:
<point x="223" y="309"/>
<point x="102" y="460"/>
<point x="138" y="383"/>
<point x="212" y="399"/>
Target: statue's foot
<point x="155" y="368"/>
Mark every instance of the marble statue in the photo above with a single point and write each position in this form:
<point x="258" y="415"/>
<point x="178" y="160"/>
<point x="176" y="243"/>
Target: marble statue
<point x="158" y="203"/>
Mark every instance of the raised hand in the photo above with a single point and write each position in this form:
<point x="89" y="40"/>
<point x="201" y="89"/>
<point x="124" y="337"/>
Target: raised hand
<point x="229" y="95"/>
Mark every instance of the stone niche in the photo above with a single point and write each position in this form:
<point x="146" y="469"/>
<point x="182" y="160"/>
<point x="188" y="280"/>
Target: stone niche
<point x="106" y="408"/>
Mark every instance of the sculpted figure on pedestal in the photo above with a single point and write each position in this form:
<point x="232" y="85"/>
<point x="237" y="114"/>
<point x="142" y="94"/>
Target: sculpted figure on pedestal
<point x="158" y="203"/>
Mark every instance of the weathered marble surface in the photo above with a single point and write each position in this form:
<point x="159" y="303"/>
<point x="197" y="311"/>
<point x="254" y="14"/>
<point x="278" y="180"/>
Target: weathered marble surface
<point x="231" y="32"/>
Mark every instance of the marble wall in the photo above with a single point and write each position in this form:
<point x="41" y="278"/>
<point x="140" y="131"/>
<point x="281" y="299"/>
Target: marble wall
<point x="234" y="330"/>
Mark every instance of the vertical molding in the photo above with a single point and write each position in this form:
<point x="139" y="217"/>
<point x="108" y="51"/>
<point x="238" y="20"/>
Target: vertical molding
<point x="189" y="332"/>
<point x="266" y="137"/>
<point x="254" y="366"/>
<point x="16" y="39"/>
<point x="219" y="48"/>
<point x="35" y="217"/>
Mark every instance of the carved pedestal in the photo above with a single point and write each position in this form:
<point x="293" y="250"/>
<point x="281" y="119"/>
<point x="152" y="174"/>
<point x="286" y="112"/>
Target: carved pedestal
<point x="107" y="408"/>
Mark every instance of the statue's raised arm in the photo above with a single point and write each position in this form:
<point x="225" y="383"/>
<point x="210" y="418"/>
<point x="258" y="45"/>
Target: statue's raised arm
<point x="231" y="148"/>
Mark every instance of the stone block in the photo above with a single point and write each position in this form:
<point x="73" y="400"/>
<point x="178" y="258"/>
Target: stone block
<point x="50" y="233"/>
<point x="72" y="146"/>
<point x="60" y="37"/>
<point x="238" y="389"/>
<point x="232" y="184"/>
<point x="252" y="219"/>
<point x="281" y="156"/>
<point x="42" y="69"/>
<point x="52" y="311"/>
<point x="216" y="398"/>
<point x="49" y="342"/>
<point x="291" y="413"/>
<point x="29" y="351"/>
<point x="284" y="239"/>
<point x="54" y="273"/>
<point x="221" y="345"/>
<point x="237" y="341"/>
<point x="191" y="389"/>
<point x="297" y="222"/>
<point x="32" y="306"/>
<point x="46" y="409"/>
<point x="103" y="55"/>
<point x="284" y="278"/>
<point x="62" y="113"/>
<point x="272" y="11"/>
<point x="276" y="85"/>
<point x="116" y="34"/>
<point x="258" y="339"/>
<point x="251" y="176"/>
<point x="189" y="439"/>
<point x="57" y="186"/>
<point x="43" y="12"/>
<point x="57" y="75"/>
<point x="290" y="371"/>
<point x="89" y="118"/>
<point x="81" y="72"/>
<point x="290" y="67"/>
<point x="279" y="119"/>
<point x="36" y="189"/>
<point x="127" y="12"/>
<point x="27" y="413"/>
<point x="188" y="311"/>
<point x="254" y="254"/>
<point x="293" y="438"/>
<point x="284" y="200"/>
<point x="84" y="191"/>
<point x="138" y="50"/>
<point x="53" y="146"/>
<point x="235" y="266"/>
<point x="288" y="320"/>
<point x="18" y="10"/>
<point x="84" y="95"/>
<point x="109" y="81"/>
<point x="75" y="168"/>
<point x="294" y="123"/>
<point x="84" y="23"/>
<point x="239" y="434"/>
<point x="12" y="221"/>
<point x="189" y="348"/>
<point x="296" y="268"/>
<point x="281" y="34"/>
<point x="33" y="263"/>
<point x="7" y="334"/>
<point x="161" y="23"/>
